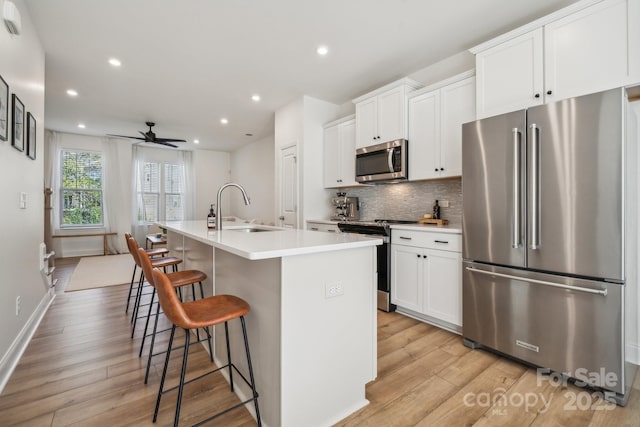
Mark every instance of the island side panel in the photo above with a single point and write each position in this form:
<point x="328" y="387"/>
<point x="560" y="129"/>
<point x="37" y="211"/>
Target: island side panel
<point x="328" y="342"/>
<point x="195" y="255"/>
<point x="258" y="283"/>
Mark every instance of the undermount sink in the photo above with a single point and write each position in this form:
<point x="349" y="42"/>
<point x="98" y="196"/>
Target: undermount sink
<point x="252" y="229"/>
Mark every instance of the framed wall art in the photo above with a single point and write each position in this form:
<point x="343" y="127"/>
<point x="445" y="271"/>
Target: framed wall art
<point x="4" y="109"/>
<point x="17" y="135"/>
<point x="31" y="136"/>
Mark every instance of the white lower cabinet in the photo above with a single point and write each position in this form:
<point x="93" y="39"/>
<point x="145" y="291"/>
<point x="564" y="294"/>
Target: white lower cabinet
<point x="323" y="226"/>
<point x="426" y="281"/>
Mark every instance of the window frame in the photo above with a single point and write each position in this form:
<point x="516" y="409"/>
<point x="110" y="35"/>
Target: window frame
<point x="161" y="208"/>
<point x="62" y="188"/>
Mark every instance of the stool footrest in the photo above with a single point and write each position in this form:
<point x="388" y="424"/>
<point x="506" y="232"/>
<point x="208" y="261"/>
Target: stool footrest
<point x="209" y="373"/>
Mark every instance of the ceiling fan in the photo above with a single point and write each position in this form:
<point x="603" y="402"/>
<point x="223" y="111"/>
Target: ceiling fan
<point x="150" y="136"/>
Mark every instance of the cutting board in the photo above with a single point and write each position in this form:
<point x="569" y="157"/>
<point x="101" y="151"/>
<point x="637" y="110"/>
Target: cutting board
<point x="434" y="221"/>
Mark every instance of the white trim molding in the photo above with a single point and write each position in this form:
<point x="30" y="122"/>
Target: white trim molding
<point x="16" y="350"/>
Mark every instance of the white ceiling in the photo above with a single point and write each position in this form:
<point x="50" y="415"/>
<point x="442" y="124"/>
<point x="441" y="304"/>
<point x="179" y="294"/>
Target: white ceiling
<point x="188" y="63"/>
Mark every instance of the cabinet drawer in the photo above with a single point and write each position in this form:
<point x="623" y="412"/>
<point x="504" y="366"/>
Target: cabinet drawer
<point x="427" y="239"/>
<point x="320" y="226"/>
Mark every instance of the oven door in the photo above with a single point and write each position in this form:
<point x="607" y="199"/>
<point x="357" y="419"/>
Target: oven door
<point x="382" y="162"/>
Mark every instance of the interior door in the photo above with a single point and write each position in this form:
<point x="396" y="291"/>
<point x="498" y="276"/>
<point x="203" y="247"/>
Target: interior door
<point x="493" y="185"/>
<point x="575" y="186"/>
<point x="288" y="184"/>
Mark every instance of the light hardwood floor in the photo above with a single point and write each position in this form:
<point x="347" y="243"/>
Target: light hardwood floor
<point x="82" y="369"/>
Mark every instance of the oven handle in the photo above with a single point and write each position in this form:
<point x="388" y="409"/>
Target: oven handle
<point x="390" y="160"/>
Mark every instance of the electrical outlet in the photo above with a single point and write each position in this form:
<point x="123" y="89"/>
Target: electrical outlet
<point x="18" y="305"/>
<point x="23" y="200"/>
<point x="334" y="289"/>
<point x="444" y="203"/>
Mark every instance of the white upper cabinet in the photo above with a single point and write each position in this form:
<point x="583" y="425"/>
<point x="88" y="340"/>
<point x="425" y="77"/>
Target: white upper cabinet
<point x="592" y="50"/>
<point x="509" y="76"/>
<point x="436" y="115"/>
<point x="340" y="154"/>
<point x="381" y="116"/>
<point x="584" y="48"/>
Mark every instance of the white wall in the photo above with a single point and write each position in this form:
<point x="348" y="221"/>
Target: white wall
<point x="212" y="170"/>
<point x="22" y="230"/>
<point x="252" y="167"/>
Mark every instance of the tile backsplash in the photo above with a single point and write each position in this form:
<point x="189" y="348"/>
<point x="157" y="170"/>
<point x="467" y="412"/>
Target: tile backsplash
<point x="410" y="200"/>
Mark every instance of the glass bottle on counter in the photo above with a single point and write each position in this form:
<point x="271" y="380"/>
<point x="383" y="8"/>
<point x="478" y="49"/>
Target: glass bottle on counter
<point x="211" y="218"/>
<point x="436" y="210"/>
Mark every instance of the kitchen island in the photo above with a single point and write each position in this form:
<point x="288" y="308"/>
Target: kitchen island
<point x="312" y="325"/>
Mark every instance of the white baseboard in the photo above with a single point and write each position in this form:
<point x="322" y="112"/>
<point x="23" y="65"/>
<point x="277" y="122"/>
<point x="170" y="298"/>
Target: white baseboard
<point x="14" y="353"/>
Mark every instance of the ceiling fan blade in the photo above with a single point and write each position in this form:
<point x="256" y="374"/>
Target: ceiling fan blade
<point x="125" y="136"/>
<point x="169" y="140"/>
<point x="157" y="141"/>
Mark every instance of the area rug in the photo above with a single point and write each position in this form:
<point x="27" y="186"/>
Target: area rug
<point x="101" y="271"/>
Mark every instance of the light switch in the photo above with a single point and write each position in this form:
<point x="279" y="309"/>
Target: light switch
<point x="23" y="200"/>
<point x="444" y="203"/>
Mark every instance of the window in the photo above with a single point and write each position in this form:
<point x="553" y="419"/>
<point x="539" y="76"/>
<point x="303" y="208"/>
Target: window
<point x="160" y="188"/>
<point x="81" y="188"/>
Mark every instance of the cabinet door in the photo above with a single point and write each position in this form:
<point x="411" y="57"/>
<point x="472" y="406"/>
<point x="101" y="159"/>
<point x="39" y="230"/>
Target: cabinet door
<point x="332" y="156"/>
<point x="392" y="115"/>
<point x="591" y="50"/>
<point x="347" y="136"/>
<point x="366" y="122"/>
<point x="406" y="277"/>
<point x="442" y="296"/>
<point x="509" y="76"/>
<point x="458" y="106"/>
<point x="424" y="136"/>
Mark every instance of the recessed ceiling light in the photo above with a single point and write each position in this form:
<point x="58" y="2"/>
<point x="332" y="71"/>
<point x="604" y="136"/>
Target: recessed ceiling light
<point x="224" y="121"/>
<point x="196" y="141"/>
<point x="256" y="97"/>
<point x="72" y="92"/>
<point x="81" y="125"/>
<point x="322" y="50"/>
<point x="115" y="62"/>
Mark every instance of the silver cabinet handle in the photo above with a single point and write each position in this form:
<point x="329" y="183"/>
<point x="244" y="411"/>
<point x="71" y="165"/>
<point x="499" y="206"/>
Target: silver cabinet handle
<point x="602" y="292"/>
<point x="331" y="231"/>
<point x="405" y="238"/>
<point x="441" y="241"/>
<point x="535" y="191"/>
<point x="314" y="228"/>
<point x="281" y="218"/>
<point x="515" y="240"/>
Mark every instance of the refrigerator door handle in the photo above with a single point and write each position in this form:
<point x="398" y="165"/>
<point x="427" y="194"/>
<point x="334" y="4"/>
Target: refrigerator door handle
<point x="515" y="240"/>
<point x="535" y="191"/>
<point x="602" y="292"/>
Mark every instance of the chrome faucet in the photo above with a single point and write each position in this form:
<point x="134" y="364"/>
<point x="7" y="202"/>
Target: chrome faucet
<point x="247" y="201"/>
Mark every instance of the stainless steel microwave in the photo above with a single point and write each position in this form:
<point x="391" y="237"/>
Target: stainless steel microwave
<point x="382" y="162"/>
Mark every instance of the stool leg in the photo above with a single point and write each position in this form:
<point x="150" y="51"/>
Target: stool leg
<point x="193" y="298"/>
<point x="182" y="375"/>
<point x="133" y="276"/>
<point x="206" y="330"/>
<point x="151" y="345"/>
<point x="253" y="383"/>
<point x="146" y="325"/>
<point x="136" y="304"/>
<point x="226" y="334"/>
<point x="164" y="373"/>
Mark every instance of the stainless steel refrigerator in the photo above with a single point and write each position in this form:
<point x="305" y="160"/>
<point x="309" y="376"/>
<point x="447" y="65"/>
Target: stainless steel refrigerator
<point x="550" y="238"/>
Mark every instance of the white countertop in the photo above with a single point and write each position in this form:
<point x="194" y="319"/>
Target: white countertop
<point x="269" y="244"/>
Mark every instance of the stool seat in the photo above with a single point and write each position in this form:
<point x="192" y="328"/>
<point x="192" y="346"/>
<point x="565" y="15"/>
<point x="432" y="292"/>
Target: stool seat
<point x="211" y="311"/>
<point x="165" y="261"/>
<point x="157" y="251"/>
<point x="186" y="277"/>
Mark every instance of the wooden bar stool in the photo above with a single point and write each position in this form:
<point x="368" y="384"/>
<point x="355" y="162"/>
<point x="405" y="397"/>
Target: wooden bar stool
<point x="202" y="313"/>
<point x="152" y="253"/>
<point x="163" y="263"/>
<point x="178" y="280"/>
